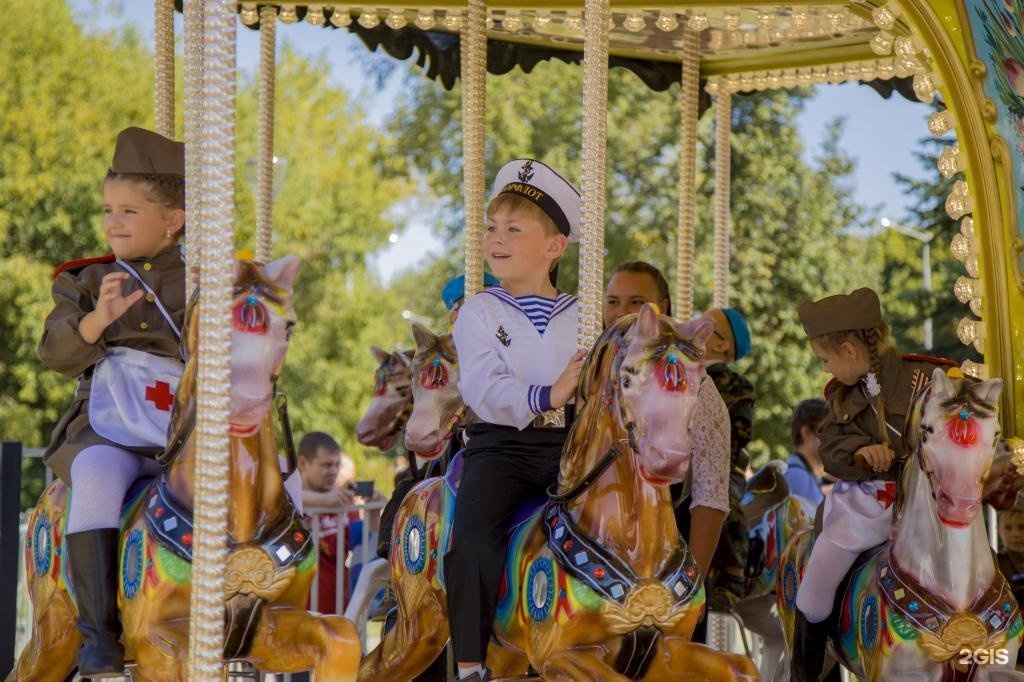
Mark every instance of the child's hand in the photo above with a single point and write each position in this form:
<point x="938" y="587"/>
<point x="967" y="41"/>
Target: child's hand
<point x="879" y="456"/>
<point x="565" y="385"/>
<point x="112" y="303"/>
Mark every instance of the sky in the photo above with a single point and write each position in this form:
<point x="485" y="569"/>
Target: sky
<point x="880" y="135"/>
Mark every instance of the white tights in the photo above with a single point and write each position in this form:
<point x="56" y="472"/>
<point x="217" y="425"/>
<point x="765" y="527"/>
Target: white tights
<point x="100" y="477"/>
<point x="824" y="571"/>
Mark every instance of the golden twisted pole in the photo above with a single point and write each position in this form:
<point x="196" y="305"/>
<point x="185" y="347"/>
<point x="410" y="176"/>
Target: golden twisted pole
<point x="216" y="222"/>
<point x="473" y="46"/>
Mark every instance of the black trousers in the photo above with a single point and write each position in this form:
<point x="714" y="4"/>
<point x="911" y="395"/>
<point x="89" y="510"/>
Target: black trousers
<point x="502" y="466"/>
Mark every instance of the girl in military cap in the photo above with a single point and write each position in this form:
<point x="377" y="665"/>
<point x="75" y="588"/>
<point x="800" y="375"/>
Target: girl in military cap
<point x="518" y="368"/>
<point x="115" y="325"/>
<point x="862" y="439"/>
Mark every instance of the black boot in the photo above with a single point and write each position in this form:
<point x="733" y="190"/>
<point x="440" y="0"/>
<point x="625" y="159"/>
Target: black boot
<point x="93" y="565"/>
<point x="809" y="643"/>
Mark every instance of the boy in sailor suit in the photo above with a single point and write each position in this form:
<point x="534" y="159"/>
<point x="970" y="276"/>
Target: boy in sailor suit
<point x="519" y="366"/>
<point x="115" y="325"/>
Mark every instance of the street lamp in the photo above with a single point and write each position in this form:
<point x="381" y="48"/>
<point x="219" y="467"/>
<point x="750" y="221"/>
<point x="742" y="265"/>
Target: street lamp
<point x="926" y="264"/>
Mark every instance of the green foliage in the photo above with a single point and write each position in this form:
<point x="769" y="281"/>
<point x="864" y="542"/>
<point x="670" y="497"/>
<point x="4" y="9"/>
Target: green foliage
<point x="905" y="302"/>
<point x="790" y="221"/>
<point x="337" y="204"/>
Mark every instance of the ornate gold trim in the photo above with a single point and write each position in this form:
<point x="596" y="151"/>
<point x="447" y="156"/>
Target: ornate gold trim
<point x="961" y="93"/>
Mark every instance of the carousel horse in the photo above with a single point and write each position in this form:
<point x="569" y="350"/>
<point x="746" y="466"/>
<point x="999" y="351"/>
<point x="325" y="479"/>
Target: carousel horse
<point x="381" y="426"/>
<point x="930" y="604"/>
<point x="598" y="585"/>
<point x="271" y="560"/>
<point x="774" y="516"/>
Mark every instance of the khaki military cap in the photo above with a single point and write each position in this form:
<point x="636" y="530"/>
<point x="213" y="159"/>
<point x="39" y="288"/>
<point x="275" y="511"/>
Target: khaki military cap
<point x="143" y="152"/>
<point x="860" y="309"/>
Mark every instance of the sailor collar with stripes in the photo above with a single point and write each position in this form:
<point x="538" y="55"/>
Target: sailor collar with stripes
<point x="511" y="351"/>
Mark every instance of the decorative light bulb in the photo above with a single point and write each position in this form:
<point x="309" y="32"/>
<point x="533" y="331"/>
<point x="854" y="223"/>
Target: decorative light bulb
<point x="940" y="123"/>
<point x="452" y="21"/>
<point x="396" y="19"/>
<point x="287" y="15"/>
<point x="974" y="369"/>
<point x="884" y="18"/>
<point x="341" y="17"/>
<point x="698" y="21"/>
<point x="731" y="20"/>
<point x="250" y="15"/>
<point x="975" y="305"/>
<point x="960" y="247"/>
<point x="967" y="227"/>
<point x="573" y="21"/>
<point x="965" y="289"/>
<point x="666" y="21"/>
<point x="971" y="265"/>
<point x="634" y="22"/>
<point x="369" y="18"/>
<point x="512" y="21"/>
<point x="425" y="19"/>
<point x="881" y="44"/>
<point x="966" y="330"/>
<point x="924" y="86"/>
<point x="951" y="161"/>
<point x="315" y="15"/>
<point x="798" y="19"/>
<point x="541" y="20"/>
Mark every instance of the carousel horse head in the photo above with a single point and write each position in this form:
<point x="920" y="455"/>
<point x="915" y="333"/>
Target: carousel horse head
<point x="647" y="369"/>
<point x="437" y="404"/>
<point x="262" y="318"/>
<point x="391" y="402"/>
<point x="958" y="429"/>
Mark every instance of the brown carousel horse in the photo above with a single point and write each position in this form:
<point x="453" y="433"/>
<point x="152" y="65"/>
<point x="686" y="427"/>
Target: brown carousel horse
<point x="381" y="426"/>
<point x="598" y="585"/>
<point x="271" y="560"/>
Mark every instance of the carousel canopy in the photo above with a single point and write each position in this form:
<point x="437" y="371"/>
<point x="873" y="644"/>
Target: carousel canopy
<point x="742" y="47"/>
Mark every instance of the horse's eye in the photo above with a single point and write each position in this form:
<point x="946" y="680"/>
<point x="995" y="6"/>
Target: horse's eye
<point x="625" y="382"/>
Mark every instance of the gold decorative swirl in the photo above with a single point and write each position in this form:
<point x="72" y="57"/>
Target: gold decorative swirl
<point x="648" y="604"/>
<point x="962" y="631"/>
<point x="250" y="570"/>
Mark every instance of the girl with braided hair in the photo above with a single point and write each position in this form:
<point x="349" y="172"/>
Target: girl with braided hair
<point x="862" y="445"/>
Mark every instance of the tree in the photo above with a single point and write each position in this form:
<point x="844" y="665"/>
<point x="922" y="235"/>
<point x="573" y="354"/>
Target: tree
<point x="790" y="221"/>
<point x="338" y="202"/>
<point x="906" y="304"/>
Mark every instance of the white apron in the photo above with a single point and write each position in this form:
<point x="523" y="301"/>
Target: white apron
<point x="132" y="391"/>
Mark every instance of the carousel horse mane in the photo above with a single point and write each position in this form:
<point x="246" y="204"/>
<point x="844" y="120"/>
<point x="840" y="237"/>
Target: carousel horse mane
<point x="597" y="391"/>
<point x="430" y="346"/>
<point x="966" y="395"/>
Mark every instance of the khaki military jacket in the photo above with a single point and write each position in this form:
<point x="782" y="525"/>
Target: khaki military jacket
<point x="853" y="422"/>
<point x="142" y="327"/>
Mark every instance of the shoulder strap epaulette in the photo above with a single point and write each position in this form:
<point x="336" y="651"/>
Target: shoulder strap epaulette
<point x="829" y="387"/>
<point x="914" y="357"/>
<point x="72" y="265"/>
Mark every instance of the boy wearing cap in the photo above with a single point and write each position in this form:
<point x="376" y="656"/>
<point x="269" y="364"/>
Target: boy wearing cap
<point x="453" y="295"/>
<point x="115" y="326"/>
<point x="869" y="396"/>
<point x="519" y="366"/>
<point x="728" y="343"/>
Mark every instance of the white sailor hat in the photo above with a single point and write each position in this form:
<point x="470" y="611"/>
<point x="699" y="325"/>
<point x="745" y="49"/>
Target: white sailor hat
<point x="537" y="182"/>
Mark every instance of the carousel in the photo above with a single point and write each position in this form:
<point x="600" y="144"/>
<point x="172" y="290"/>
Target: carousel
<point x="582" y="600"/>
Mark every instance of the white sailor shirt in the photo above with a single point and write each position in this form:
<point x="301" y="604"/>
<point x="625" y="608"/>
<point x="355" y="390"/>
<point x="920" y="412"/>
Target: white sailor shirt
<point x="506" y="366"/>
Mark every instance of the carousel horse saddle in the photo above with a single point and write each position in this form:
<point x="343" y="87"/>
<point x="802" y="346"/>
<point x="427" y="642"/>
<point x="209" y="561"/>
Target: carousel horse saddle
<point x="766" y="490"/>
<point x="523" y="511"/>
